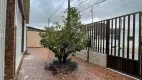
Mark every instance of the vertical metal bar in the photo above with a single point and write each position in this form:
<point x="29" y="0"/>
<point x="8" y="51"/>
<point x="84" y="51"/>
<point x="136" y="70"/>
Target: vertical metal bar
<point x="128" y="37"/>
<point x="88" y="54"/>
<point x="84" y="35"/>
<point x="119" y="37"/>
<point x="86" y="29"/>
<point x="141" y="44"/>
<point x="94" y="37"/>
<point x="115" y="37"/>
<point x="98" y="37"/>
<point x="133" y="48"/>
<point x="107" y="38"/>
<point x="123" y="37"/>
<point x="140" y="49"/>
<point x="101" y="38"/>
<point x="112" y="36"/>
<point x="90" y="34"/>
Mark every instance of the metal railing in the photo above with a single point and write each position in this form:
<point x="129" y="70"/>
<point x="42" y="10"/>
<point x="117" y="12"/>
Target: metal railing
<point x="120" y="39"/>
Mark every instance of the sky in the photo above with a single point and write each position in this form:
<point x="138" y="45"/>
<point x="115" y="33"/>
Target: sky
<point x="41" y="10"/>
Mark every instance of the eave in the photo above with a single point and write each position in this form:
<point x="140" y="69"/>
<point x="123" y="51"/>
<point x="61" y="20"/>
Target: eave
<point x="24" y="6"/>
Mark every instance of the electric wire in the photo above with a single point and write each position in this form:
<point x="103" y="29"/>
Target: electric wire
<point x="57" y="9"/>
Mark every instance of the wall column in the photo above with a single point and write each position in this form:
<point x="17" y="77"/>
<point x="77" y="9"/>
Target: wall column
<point x="10" y="41"/>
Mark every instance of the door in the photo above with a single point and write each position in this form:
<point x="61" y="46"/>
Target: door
<point x="124" y="44"/>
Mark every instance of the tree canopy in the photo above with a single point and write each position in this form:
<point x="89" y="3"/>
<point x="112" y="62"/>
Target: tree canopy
<point x="65" y="39"/>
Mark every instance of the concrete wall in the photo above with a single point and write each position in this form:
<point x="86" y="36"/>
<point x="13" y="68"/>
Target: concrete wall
<point x="95" y="58"/>
<point x="2" y="36"/>
<point x="33" y="39"/>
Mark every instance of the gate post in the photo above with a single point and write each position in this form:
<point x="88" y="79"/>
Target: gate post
<point x="107" y="38"/>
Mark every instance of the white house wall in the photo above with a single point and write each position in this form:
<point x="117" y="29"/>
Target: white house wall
<point x="18" y="24"/>
<point x="2" y="36"/>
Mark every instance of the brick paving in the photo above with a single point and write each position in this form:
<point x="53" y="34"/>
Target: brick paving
<point x="32" y="68"/>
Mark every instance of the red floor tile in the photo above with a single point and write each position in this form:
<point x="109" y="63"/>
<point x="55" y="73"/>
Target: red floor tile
<point x="33" y="69"/>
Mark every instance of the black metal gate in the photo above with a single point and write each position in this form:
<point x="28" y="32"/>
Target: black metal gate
<point x="120" y="39"/>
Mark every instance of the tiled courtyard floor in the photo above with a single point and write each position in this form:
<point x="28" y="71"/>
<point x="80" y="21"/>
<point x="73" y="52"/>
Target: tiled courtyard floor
<point x="33" y="69"/>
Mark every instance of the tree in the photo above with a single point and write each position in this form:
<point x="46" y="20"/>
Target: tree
<point x="65" y="39"/>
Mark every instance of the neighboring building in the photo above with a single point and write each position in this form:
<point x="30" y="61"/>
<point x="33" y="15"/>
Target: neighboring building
<point x="33" y="37"/>
<point x="14" y="15"/>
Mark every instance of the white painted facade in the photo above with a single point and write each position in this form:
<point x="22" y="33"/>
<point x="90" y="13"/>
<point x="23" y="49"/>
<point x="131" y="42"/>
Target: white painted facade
<point x="2" y="36"/>
<point x="18" y="24"/>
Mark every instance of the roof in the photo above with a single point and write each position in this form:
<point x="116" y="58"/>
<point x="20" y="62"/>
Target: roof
<point x="27" y="9"/>
<point x="35" y="29"/>
<point x="24" y="6"/>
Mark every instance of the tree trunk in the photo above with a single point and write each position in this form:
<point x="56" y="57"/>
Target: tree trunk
<point x="60" y="58"/>
<point x="65" y="56"/>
